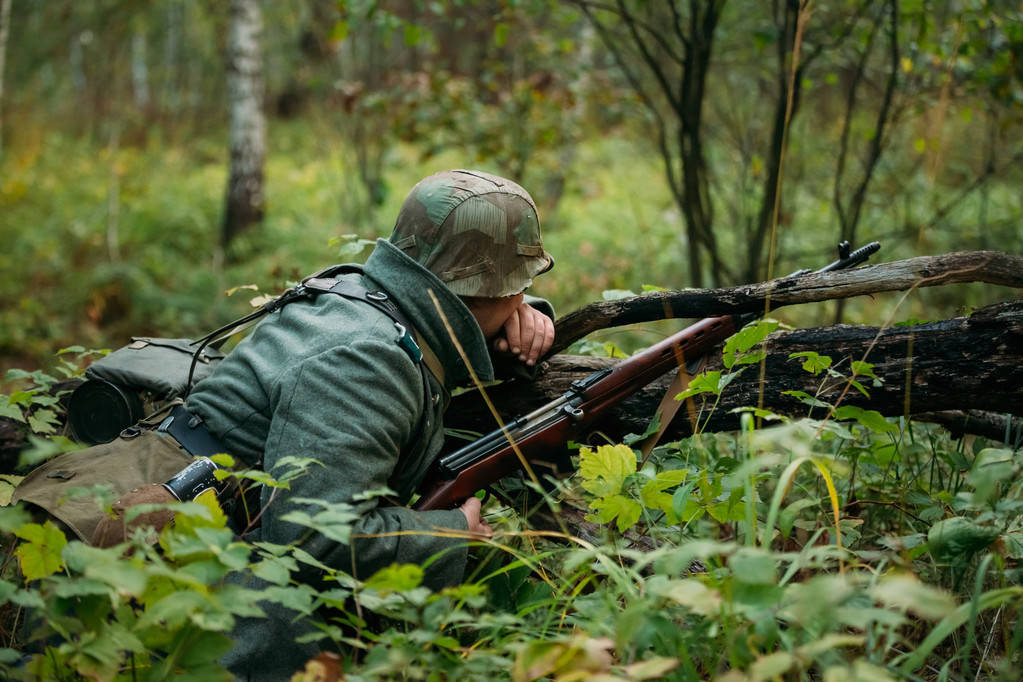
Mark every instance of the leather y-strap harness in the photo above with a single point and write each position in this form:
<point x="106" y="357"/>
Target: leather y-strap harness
<point x="188" y="428"/>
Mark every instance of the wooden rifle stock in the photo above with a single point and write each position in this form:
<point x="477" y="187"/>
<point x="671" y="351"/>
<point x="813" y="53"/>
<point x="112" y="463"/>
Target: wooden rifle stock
<point x="457" y="476"/>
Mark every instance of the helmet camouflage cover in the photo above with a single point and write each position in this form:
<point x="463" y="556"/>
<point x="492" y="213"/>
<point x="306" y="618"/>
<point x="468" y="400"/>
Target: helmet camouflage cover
<point x="479" y="233"/>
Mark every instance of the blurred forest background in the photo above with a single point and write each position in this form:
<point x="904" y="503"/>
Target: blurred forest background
<point x="154" y="155"/>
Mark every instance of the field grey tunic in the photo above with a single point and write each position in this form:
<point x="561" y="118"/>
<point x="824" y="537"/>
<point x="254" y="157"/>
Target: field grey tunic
<point x="326" y="379"/>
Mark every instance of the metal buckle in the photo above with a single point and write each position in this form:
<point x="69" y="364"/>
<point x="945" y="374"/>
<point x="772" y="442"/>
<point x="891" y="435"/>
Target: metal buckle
<point x="408" y="344"/>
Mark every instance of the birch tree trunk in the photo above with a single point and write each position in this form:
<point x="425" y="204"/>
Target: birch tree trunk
<point x="5" y="20"/>
<point x="245" y="200"/>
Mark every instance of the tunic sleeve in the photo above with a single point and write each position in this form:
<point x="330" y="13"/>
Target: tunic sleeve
<point x="355" y="409"/>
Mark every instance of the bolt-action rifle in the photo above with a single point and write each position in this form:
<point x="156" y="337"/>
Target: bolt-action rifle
<point x="458" y="475"/>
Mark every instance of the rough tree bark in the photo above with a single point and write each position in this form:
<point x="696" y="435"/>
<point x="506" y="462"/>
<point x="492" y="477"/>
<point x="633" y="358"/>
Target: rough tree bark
<point x="964" y="364"/>
<point x="245" y="199"/>
<point x="991" y="267"/>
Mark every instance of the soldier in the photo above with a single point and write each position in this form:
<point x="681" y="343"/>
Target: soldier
<point x="358" y="382"/>
<point x="326" y="379"/>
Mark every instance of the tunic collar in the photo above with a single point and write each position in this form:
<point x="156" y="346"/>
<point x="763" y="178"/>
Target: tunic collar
<point x="408" y="283"/>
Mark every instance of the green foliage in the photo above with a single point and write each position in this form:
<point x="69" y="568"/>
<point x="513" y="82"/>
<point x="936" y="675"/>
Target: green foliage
<point x="844" y="546"/>
<point x="37" y="402"/>
<point x="814" y="549"/>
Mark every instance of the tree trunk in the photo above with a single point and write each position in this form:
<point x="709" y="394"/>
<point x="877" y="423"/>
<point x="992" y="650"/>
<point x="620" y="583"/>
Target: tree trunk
<point x="245" y="200"/>
<point x="5" y="20"/>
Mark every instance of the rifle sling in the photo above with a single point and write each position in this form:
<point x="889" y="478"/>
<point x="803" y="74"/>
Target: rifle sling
<point x="669" y="407"/>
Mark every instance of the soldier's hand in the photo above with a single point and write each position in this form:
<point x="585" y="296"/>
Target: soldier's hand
<point x="477" y="526"/>
<point x="527" y="333"/>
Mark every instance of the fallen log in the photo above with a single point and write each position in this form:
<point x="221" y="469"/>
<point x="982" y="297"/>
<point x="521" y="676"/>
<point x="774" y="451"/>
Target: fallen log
<point x="991" y="267"/>
<point x="972" y="363"/>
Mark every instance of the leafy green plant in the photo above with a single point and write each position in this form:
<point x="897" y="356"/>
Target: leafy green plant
<point x="37" y="403"/>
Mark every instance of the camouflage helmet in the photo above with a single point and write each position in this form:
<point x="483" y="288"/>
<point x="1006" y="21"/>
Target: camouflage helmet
<point x="479" y="233"/>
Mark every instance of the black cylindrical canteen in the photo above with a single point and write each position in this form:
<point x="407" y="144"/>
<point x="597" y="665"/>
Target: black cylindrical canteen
<point x="99" y="410"/>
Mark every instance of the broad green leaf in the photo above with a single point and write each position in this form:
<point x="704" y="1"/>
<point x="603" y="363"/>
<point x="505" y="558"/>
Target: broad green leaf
<point x="173" y="610"/>
<point x="43" y="421"/>
<point x="240" y="601"/>
<point x="861" y="671"/>
<point x="872" y="419"/>
<point x="82" y="587"/>
<point x="10" y="410"/>
<point x="692" y="511"/>
<point x="373" y="494"/>
<point x="396" y="578"/>
<point x="734" y="352"/>
<point x="39" y="552"/>
<point x="681" y="501"/>
<point x="335" y="523"/>
<point x="991" y="468"/>
<point x="651" y="669"/>
<point x="223" y="460"/>
<point x="612" y="507"/>
<point x="11" y="518"/>
<point x="296" y="597"/>
<point x="274" y="570"/>
<point x="956" y="539"/>
<point x="28" y="598"/>
<point x="806" y="398"/>
<point x="604" y="470"/>
<point x="864" y="369"/>
<point x="6" y="490"/>
<point x="1014" y="543"/>
<point x="787" y="516"/>
<point x="707" y="382"/>
<point x="906" y="592"/>
<point x="812" y="361"/>
<point x="771" y="666"/>
<point x="653" y="497"/>
<point x="732" y="509"/>
<point x="695" y="596"/>
<point x="761" y="413"/>
<point x="753" y="566"/>
<point x="308" y="559"/>
<point x="198" y="658"/>
<point x="72" y="349"/>
<point x="98" y="656"/>
<point x="127" y="576"/>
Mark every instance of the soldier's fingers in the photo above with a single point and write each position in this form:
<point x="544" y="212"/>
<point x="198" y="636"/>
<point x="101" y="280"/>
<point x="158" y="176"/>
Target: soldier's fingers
<point x="512" y="332"/>
<point x="471" y="509"/>
<point x="527" y="331"/>
<point x="540" y="324"/>
<point x="546" y="335"/>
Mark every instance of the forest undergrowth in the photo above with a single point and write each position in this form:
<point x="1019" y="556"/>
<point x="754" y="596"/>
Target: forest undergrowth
<point x="845" y="546"/>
